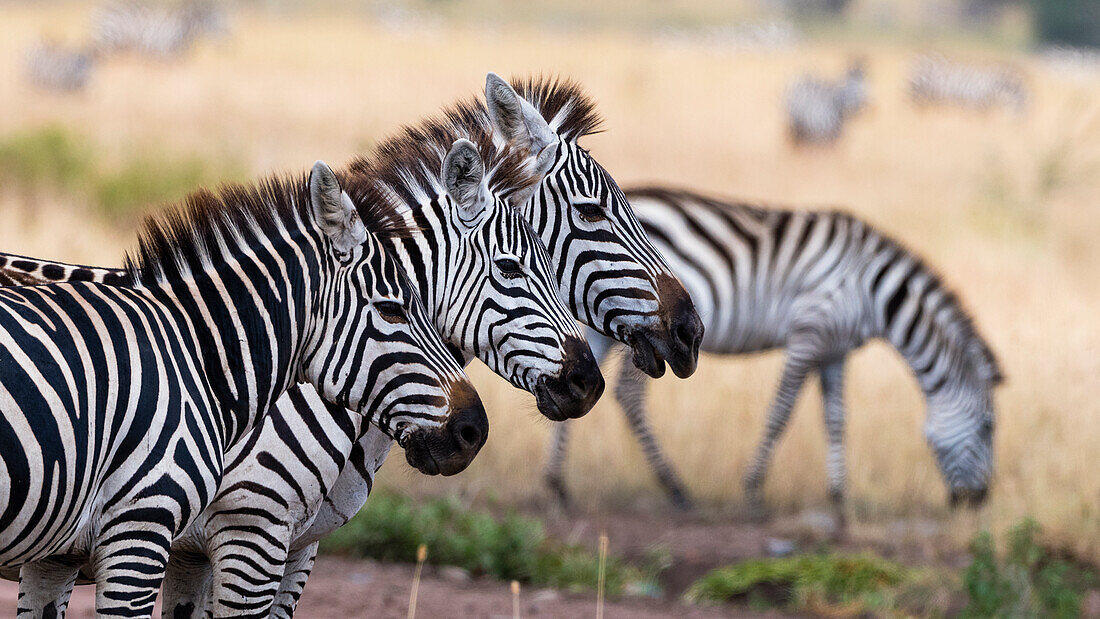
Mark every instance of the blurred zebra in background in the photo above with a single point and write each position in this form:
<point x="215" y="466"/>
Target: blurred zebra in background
<point x="933" y="78"/>
<point x="154" y="29"/>
<point x="818" y="285"/>
<point x="50" y="65"/>
<point x="817" y="108"/>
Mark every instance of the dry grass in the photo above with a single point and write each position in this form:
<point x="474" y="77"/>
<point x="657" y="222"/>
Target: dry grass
<point x="971" y="192"/>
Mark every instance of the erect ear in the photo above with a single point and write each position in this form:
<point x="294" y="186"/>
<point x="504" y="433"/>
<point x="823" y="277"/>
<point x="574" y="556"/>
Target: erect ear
<point x="514" y="118"/>
<point x="335" y="213"/>
<point x="463" y="177"/>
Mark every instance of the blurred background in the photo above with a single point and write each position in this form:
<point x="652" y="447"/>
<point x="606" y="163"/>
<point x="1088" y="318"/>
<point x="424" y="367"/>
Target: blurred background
<point x="999" y="190"/>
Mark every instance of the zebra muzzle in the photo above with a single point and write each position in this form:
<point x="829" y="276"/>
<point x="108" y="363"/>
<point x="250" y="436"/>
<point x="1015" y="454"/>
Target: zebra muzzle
<point x="575" y="389"/>
<point x="449" y="448"/>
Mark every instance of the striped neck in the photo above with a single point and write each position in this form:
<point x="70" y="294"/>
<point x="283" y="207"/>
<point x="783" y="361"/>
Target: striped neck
<point x="243" y="273"/>
<point x="926" y="323"/>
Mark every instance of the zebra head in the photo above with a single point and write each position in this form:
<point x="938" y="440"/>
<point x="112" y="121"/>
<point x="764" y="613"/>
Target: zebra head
<point x="960" y="425"/>
<point x="501" y="298"/>
<point x="375" y="350"/>
<point x="608" y="272"/>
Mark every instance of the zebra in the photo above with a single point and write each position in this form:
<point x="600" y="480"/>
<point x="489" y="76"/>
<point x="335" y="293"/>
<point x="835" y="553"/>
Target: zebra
<point x="155" y="29"/>
<point x="818" y="284"/>
<point x="610" y="275"/>
<point x="591" y="230"/>
<point x="817" y="109"/>
<point x="492" y="294"/>
<point x="120" y="402"/>
<point x="52" y="66"/>
<point x="933" y="78"/>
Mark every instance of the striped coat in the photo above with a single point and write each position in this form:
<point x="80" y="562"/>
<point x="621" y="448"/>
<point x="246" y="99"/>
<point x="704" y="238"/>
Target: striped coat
<point x="124" y="401"/>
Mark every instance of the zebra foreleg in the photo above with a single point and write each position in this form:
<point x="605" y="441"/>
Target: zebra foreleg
<point x="630" y="391"/>
<point x="832" y="391"/>
<point x="186" y="590"/>
<point x="795" y="371"/>
<point x="248" y="564"/>
<point x="299" y="564"/>
<point x="45" y="586"/>
<point x="554" y="473"/>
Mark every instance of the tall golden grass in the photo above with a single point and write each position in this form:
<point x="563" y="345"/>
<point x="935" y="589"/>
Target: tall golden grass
<point x="1004" y="205"/>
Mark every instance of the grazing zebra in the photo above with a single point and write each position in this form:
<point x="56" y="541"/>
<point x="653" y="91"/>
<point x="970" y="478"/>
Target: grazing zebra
<point x="52" y="66"/>
<point x="120" y="403"/>
<point x="818" y="284"/>
<point x="817" y="109"/>
<point x="155" y="29"/>
<point x="491" y="293"/>
<point x="935" y="79"/>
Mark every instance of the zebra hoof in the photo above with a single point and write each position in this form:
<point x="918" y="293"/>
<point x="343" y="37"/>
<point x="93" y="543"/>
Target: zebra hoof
<point x="681" y="501"/>
<point x="561" y="494"/>
<point x="758" y="512"/>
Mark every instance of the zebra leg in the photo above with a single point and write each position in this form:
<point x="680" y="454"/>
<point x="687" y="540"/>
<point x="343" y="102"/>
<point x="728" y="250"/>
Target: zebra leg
<point x="298" y="566"/>
<point x="554" y="473"/>
<point x="45" y="586"/>
<point x="795" y="371"/>
<point x="187" y="582"/>
<point x="630" y="391"/>
<point x="129" y="567"/>
<point x="248" y="561"/>
<point x="832" y="391"/>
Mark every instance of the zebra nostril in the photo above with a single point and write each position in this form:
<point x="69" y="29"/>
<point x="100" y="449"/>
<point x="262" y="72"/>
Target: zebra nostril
<point x="578" y="384"/>
<point x="684" y="334"/>
<point x="469" y="435"/>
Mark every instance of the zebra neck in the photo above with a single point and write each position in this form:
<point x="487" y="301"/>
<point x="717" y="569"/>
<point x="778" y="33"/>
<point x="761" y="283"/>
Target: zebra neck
<point x="248" y="331"/>
<point x="923" y="321"/>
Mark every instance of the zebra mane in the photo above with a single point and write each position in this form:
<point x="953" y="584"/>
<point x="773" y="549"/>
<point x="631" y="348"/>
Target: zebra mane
<point x="563" y="103"/>
<point x="404" y="171"/>
<point x="196" y="233"/>
<point x="955" y="325"/>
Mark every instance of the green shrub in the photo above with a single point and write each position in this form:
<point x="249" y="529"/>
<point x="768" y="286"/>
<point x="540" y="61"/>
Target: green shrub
<point x="1029" y="580"/>
<point x="391" y="527"/>
<point x="150" y="181"/>
<point x="803" y="582"/>
<point x="46" y="157"/>
<point x="1072" y="22"/>
<point x="54" y="158"/>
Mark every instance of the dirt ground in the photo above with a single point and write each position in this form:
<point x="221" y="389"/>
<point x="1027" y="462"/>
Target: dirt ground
<point x="692" y="544"/>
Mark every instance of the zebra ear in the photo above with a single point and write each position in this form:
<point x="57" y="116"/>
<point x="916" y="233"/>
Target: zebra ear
<point x="514" y="118"/>
<point x="464" y="179"/>
<point x="335" y="213"/>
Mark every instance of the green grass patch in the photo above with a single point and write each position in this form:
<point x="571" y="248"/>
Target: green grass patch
<point x="1026" y="580"/>
<point x="827" y="582"/>
<point x="54" y="158"/>
<point x="511" y="547"/>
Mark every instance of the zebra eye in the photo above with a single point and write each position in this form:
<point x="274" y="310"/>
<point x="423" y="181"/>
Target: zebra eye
<point x="509" y="267"/>
<point x="391" y="311"/>
<point x="590" y="211"/>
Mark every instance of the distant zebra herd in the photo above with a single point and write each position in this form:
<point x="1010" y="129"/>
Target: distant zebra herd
<point x="818" y="109"/>
<point x="195" y="422"/>
<point x="140" y="27"/>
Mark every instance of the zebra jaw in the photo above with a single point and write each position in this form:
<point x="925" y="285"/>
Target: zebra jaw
<point x="644" y="355"/>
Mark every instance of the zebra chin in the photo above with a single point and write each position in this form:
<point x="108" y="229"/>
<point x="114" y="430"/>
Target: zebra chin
<point x="575" y="389"/>
<point x="675" y="339"/>
<point x="969" y="497"/>
<point x="448" y="449"/>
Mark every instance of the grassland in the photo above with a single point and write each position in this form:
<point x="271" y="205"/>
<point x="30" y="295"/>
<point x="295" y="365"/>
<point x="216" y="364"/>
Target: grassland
<point x="1005" y="205"/>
